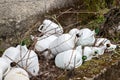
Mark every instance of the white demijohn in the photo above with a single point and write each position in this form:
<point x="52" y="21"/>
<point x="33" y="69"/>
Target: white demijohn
<point x="69" y="59"/>
<point x="99" y="50"/>
<point x="89" y="53"/>
<point x="11" y="54"/>
<point x="44" y="43"/>
<point x="62" y="43"/>
<point x="74" y="31"/>
<point x="50" y="28"/>
<point x="105" y="42"/>
<point x="112" y="47"/>
<point x="86" y="37"/>
<point x="28" y="59"/>
<point x="102" y="41"/>
<point x="4" y="67"/>
<point x="17" y="74"/>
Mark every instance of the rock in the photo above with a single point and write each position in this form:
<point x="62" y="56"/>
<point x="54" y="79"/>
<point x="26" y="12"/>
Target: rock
<point x="17" y="17"/>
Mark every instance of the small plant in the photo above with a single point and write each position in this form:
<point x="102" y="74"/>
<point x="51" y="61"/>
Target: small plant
<point x="97" y="30"/>
<point x="26" y="41"/>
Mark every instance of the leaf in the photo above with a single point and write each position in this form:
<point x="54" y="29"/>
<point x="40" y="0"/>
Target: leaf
<point x="97" y="30"/>
<point x="23" y="42"/>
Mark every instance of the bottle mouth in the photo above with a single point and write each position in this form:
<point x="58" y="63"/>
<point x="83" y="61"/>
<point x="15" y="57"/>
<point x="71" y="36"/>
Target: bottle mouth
<point x="77" y="35"/>
<point x="107" y="45"/>
<point x="13" y="64"/>
<point x="96" y="52"/>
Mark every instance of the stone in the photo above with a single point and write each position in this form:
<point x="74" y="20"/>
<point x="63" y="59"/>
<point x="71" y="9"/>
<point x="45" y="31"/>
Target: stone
<point x="17" y="17"/>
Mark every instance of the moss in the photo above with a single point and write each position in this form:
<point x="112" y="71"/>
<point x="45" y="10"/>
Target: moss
<point x="94" y="5"/>
<point x="61" y="78"/>
<point x="96" y="22"/>
<point x="92" y="20"/>
<point x="95" y="70"/>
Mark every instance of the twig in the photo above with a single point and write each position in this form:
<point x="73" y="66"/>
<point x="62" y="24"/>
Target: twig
<point x="63" y="13"/>
<point x="71" y="25"/>
<point x="30" y="29"/>
<point x="73" y="12"/>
